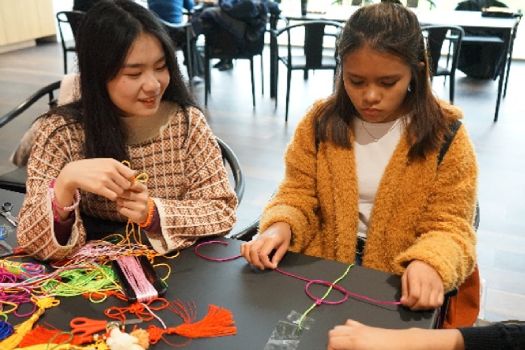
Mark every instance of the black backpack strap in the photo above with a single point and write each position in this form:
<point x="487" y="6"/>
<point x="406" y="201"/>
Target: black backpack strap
<point x="454" y="127"/>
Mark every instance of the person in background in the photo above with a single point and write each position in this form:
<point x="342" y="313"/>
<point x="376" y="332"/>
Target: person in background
<point x="364" y="182"/>
<point x="508" y="335"/>
<point x="84" y="5"/>
<point x="170" y="10"/>
<point x="134" y="107"/>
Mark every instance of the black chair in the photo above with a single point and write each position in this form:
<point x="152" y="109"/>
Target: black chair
<point x="183" y="38"/>
<point x="15" y="180"/>
<point x="221" y="44"/>
<point x="73" y="19"/>
<point x="316" y="54"/>
<point x="435" y="37"/>
<point x="232" y="162"/>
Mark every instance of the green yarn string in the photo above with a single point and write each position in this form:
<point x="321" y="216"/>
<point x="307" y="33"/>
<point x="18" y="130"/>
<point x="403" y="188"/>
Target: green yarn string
<point x="325" y="295"/>
<point x="73" y="282"/>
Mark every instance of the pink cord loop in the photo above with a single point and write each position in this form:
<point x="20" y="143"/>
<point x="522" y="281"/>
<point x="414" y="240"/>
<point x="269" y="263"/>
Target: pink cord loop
<point x="309" y="282"/>
<point x="205" y="257"/>
<point x="319" y="301"/>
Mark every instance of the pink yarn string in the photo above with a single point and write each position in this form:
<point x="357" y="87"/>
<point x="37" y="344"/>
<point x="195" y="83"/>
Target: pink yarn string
<point x="309" y="282"/>
<point x="134" y="274"/>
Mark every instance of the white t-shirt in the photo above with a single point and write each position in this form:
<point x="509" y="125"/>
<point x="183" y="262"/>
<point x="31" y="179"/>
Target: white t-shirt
<point x="374" y="145"/>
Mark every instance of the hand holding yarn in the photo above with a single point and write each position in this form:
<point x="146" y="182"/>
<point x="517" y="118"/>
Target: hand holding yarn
<point x="105" y="177"/>
<point x="134" y="204"/>
<point x="277" y="237"/>
<point x="422" y="287"/>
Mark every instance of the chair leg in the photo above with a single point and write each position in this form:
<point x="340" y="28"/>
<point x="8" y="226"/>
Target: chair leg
<point x="451" y="83"/>
<point x="288" y="79"/>
<point x="206" y="77"/>
<point x="276" y="83"/>
<point x="65" y="62"/>
<point x="253" y="82"/>
<point x="262" y="76"/>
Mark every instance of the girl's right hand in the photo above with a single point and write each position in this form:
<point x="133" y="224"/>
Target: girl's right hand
<point x="276" y="237"/>
<point x="105" y="177"/>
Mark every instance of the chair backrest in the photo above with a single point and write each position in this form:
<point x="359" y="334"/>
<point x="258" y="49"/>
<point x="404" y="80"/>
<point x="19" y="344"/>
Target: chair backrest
<point x="435" y="37"/>
<point x="48" y="90"/>
<point x="231" y="160"/>
<point x="73" y="19"/>
<point x="315" y="42"/>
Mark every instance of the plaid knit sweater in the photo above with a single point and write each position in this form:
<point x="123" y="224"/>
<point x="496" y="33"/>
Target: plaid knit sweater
<point x="187" y="181"/>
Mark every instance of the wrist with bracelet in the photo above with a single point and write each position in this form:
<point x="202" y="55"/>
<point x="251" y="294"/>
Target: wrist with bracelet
<point x="55" y="205"/>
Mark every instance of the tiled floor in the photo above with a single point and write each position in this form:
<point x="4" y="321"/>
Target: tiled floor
<point x="259" y="138"/>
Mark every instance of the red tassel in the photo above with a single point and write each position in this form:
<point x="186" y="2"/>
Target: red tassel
<point x="218" y="322"/>
<point x="42" y="335"/>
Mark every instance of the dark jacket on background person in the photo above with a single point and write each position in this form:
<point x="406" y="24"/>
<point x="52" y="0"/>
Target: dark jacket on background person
<point x="83" y="5"/>
<point x="244" y="20"/>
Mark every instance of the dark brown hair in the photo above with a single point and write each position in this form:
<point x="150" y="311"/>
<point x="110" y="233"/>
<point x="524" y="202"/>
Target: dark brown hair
<point x="390" y="28"/>
<point x="106" y="35"/>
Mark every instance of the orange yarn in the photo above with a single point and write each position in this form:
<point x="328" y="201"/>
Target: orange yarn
<point x="43" y="335"/>
<point x="101" y="296"/>
<point x="151" y="211"/>
<point x="137" y="309"/>
<point x="218" y="322"/>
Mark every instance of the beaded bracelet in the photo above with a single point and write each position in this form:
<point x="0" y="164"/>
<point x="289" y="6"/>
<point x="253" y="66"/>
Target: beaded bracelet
<point x="72" y="207"/>
<point x="151" y="211"/>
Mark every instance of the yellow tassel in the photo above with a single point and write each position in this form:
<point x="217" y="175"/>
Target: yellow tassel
<point x="23" y="328"/>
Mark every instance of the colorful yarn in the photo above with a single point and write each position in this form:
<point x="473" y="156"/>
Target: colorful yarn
<point x="136" y="279"/>
<point x="140" y="310"/>
<point x="322" y="299"/>
<point x="218" y="322"/>
<point x="23" y="328"/>
<point x="43" y="335"/>
<point x="73" y="282"/>
<point x="6" y="329"/>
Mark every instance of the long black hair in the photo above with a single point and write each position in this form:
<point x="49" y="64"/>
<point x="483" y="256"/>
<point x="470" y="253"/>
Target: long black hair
<point x="104" y="39"/>
<point x="387" y="27"/>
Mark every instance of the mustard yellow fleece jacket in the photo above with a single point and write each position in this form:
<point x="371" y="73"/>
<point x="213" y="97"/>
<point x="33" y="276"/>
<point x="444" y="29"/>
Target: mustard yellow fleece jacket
<point x="422" y="211"/>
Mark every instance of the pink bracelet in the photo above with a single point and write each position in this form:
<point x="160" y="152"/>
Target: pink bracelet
<point x="54" y="201"/>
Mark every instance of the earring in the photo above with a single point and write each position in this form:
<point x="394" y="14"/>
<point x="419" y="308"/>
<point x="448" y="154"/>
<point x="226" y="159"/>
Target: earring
<point x="409" y="89"/>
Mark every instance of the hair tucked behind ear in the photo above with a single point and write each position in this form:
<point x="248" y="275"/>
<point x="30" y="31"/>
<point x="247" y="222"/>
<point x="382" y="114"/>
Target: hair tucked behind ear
<point x="105" y="37"/>
<point x="390" y="28"/>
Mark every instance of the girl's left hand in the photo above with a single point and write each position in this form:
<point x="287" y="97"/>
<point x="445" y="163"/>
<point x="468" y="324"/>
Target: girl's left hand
<point x="133" y="203"/>
<point x="422" y="287"/>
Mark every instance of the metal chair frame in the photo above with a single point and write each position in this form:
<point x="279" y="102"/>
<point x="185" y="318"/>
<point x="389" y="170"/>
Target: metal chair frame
<point x="73" y="18"/>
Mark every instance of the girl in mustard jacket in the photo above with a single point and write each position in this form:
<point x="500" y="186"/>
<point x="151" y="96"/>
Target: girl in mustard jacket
<point x="363" y="183"/>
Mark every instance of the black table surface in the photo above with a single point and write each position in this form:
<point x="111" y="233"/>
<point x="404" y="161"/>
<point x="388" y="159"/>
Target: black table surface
<point x="258" y="299"/>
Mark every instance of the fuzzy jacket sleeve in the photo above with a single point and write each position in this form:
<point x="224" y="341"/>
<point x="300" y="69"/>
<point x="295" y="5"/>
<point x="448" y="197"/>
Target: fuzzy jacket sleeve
<point x="208" y="204"/>
<point x="51" y="151"/>
<point x="446" y="238"/>
<point x="296" y="199"/>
